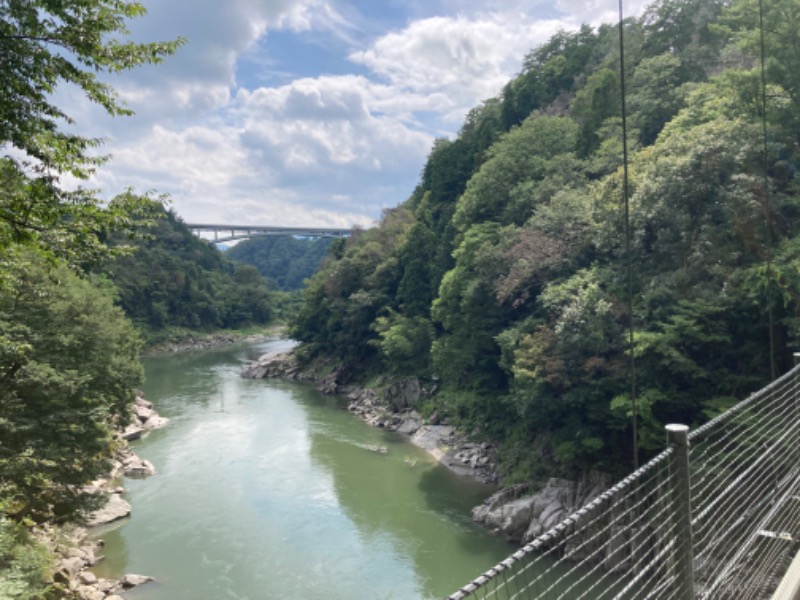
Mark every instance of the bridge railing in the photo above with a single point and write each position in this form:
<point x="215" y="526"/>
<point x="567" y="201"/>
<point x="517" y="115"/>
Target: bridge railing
<point x="715" y="515"/>
<point x="227" y="233"/>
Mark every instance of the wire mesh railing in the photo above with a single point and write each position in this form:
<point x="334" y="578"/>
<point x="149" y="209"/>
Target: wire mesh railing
<point x="716" y="515"/>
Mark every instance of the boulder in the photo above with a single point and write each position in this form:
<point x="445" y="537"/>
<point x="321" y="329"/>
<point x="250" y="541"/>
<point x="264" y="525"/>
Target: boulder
<point x="432" y="438"/>
<point x="155" y="422"/>
<point x="87" y="578"/>
<point x="130" y="580"/>
<point x="67" y="569"/>
<point x="140" y="401"/>
<point x="410" y="423"/>
<point x="116" y="508"/>
<point x="138" y="468"/>
<point x="132" y="432"/>
<point x="273" y="364"/>
<point x="512" y="518"/>
<point x="142" y="413"/>
<point x="545" y="509"/>
<point x="86" y="592"/>
<point x="329" y="384"/>
<point x="403" y="395"/>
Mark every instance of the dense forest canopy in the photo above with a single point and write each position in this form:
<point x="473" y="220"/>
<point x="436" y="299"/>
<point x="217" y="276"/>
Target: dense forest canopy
<point x="68" y="356"/>
<point x="285" y="261"/>
<point x="505" y="275"/>
<point x="173" y="280"/>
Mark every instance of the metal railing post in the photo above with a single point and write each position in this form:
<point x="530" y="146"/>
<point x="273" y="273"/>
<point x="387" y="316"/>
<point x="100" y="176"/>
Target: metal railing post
<point x="678" y="438"/>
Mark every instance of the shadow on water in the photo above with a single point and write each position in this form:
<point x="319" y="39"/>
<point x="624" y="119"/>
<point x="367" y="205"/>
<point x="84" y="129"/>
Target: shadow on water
<point x="436" y="487"/>
<point x="406" y="498"/>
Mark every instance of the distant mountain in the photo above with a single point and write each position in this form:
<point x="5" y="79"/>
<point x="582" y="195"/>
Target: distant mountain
<point x="286" y="261"/>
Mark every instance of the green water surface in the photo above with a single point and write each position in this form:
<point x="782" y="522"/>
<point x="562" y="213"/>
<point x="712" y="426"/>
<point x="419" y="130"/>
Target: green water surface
<point x="267" y="490"/>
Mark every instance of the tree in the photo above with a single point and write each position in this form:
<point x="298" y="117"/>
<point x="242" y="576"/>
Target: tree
<point x="68" y="369"/>
<point x="68" y="357"/>
<point x="656" y="95"/>
<point x="286" y="261"/>
<point x="524" y="154"/>
<point x="42" y="45"/>
<point x="595" y="102"/>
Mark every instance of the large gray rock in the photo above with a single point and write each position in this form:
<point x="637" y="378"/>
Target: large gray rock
<point x="498" y="499"/>
<point x="132" y="432"/>
<point x="116" y="508"/>
<point x="512" y="518"/>
<point x="410" y="424"/>
<point x="138" y="468"/>
<point x="68" y="568"/>
<point x="142" y="413"/>
<point x="403" y="394"/>
<point x="525" y="517"/>
<point x="155" y="422"/>
<point x="87" y="578"/>
<point x="140" y="401"/>
<point x="274" y="364"/>
<point x="86" y="592"/>
<point x="130" y="580"/>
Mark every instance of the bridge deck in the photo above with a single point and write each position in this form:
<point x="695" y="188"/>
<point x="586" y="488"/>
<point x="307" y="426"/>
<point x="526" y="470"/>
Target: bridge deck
<point x="225" y="233"/>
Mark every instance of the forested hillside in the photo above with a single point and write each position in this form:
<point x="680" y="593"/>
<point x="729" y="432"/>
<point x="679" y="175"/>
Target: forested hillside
<point x="69" y="359"/>
<point x="506" y="274"/>
<point x="174" y="280"/>
<point x="285" y="261"/>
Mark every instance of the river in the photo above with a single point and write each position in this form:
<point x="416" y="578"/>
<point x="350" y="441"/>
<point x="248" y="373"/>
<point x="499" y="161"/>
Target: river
<point x="268" y="490"/>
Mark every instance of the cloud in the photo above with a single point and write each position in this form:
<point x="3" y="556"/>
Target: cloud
<point x="285" y="155"/>
<point x="455" y="58"/>
<point x="318" y="150"/>
<point x="200" y="76"/>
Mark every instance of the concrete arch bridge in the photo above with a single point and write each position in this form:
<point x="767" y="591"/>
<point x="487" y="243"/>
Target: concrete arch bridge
<point x="228" y="233"/>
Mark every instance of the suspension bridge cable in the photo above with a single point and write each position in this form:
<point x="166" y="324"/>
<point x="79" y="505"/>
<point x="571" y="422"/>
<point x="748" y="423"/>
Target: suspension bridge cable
<point x="767" y="207"/>
<point x="628" y="258"/>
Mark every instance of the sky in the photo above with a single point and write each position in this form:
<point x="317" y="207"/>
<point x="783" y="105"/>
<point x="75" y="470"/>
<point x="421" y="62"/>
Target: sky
<point x="310" y="112"/>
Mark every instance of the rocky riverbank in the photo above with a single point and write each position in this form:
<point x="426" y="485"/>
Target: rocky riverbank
<point x="74" y="549"/>
<point x="522" y="515"/>
<point x="210" y="341"/>
<point x="518" y="513"/>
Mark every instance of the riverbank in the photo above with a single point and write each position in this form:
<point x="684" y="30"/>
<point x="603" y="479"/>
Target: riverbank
<point x="519" y="513"/>
<point x="194" y="341"/>
<point x="75" y="548"/>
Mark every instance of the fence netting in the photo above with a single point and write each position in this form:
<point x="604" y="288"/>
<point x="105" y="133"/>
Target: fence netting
<point x="741" y="498"/>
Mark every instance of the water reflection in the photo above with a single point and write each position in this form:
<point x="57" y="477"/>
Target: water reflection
<point x="421" y="511"/>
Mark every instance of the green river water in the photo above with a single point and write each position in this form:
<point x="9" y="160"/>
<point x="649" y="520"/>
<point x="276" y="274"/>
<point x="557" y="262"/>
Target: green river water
<point x="264" y="490"/>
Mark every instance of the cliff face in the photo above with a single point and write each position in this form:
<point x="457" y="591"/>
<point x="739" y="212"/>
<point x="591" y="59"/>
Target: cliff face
<point x="522" y="516"/>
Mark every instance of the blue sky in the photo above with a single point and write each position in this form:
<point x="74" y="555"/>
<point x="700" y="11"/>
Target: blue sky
<point x="310" y="112"/>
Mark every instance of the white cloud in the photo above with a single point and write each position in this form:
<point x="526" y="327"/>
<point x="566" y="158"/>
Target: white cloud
<point x="322" y="149"/>
<point x="286" y="155"/>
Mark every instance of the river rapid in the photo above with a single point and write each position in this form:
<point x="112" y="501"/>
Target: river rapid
<point x="268" y="490"/>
